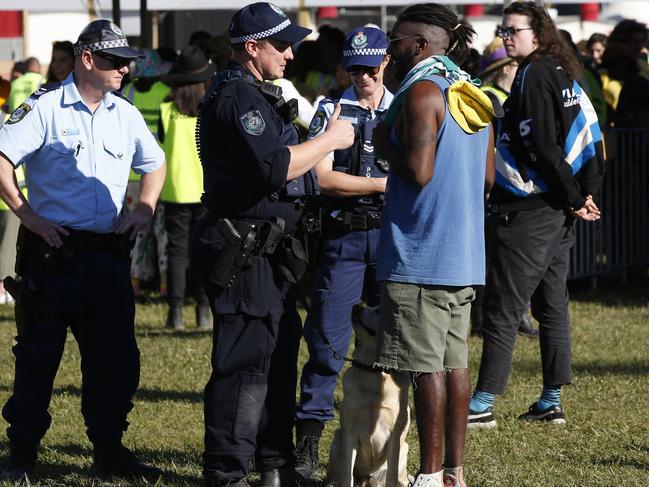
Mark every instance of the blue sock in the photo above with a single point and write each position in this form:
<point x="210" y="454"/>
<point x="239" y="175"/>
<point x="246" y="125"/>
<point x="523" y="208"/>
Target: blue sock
<point x="481" y="401"/>
<point x="551" y="396"/>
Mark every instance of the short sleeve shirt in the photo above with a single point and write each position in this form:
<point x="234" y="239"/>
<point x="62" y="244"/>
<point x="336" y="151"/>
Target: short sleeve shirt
<point x="327" y="106"/>
<point x="78" y="162"/>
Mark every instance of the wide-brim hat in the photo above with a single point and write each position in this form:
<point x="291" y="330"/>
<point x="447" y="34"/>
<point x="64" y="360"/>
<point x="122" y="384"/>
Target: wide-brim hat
<point x="494" y="58"/>
<point x="103" y="35"/>
<point x="264" y="20"/>
<point x="148" y="65"/>
<point x="365" y="46"/>
<point x="191" y="66"/>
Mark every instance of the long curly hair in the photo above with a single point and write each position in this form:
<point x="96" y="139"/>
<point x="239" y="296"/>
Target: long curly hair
<point x="460" y="33"/>
<point x="550" y="42"/>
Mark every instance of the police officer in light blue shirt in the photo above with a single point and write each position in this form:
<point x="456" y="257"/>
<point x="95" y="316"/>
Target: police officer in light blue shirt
<point x="78" y="141"/>
<point x="352" y="182"/>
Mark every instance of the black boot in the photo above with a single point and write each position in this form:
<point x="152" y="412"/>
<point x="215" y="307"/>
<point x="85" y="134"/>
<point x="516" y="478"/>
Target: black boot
<point x="306" y="450"/>
<point x="22" y="458"/>
<point x="212" y="482"/>
<point x="175" y="318"/>
<point x="114" y="459"/>
<point x="203" y="317"/>
<point x="278" y="477"/>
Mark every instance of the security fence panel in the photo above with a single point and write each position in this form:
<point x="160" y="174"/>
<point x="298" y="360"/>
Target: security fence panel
<point x="619" y="239"/>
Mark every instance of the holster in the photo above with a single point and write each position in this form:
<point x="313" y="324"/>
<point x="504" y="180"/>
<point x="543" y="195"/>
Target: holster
<point x="25" y="293"/>
<point x="243" y="243"/>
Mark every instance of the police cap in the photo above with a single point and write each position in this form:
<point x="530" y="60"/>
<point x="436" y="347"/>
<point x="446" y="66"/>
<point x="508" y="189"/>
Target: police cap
<point x="264" y="20"/>
<point x="103" y="35"/>
<point x="365" y="46"/>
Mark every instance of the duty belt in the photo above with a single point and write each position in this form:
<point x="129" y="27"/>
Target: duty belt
<point x="351" y="222"/>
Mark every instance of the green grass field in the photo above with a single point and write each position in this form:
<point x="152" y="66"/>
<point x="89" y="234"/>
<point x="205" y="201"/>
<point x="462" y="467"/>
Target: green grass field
<point x="605" y="443"/>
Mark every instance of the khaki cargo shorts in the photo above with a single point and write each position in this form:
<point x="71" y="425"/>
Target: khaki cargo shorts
<point x="423" y="328"/>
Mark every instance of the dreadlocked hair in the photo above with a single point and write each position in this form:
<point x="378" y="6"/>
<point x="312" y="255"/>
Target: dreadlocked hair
<point x="460" y="34"/>
<point x="550" y="41"/>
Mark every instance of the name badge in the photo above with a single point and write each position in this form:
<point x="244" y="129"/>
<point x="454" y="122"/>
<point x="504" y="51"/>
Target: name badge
<point x="69" y="132"/>
<point x="353" y="120"/>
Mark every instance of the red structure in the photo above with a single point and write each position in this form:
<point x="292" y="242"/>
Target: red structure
<point x="474" y="10"/>
<point x="589" y="11"/>
<point x="11" y="23"/>
<point x="327" y="13"/>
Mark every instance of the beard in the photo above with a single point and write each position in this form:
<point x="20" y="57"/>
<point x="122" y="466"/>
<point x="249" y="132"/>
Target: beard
<point x="401" y="64"/>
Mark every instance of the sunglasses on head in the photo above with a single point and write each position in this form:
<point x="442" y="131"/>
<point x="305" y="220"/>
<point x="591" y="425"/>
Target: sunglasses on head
<point x="116" y="62"/>
<point x="361" y="70"/>
<point x="506" y="32"/>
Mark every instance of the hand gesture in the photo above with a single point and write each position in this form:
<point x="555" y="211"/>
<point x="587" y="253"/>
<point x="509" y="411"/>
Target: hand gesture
<point x="49" y="231"/>
<point x="340" y="131"/>
<point x="589" y="211"/>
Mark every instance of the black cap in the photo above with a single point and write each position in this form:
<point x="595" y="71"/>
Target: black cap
<point x="190" y="67"/>
<point x="103" y="35"/>
<point x="264" y="20"/>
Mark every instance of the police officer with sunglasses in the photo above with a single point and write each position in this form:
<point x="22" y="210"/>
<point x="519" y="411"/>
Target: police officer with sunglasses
<point x="352" y="182"/>
<point x="78" y="139"/>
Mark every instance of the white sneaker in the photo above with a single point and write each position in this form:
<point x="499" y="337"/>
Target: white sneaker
<point x="429" y="479"/>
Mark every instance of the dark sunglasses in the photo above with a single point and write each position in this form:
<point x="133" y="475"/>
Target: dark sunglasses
<point x="396" y="40"/>
<point x="116" y="62"/>
<point x="506" y="32"/>
<point x="361" y="70"/>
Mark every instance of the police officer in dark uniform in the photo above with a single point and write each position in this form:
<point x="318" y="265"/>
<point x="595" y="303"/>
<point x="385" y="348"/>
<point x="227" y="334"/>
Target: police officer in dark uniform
<point x="256" y="180"/>
<point x="352" y="182"/>
<point x="78" y="139"/>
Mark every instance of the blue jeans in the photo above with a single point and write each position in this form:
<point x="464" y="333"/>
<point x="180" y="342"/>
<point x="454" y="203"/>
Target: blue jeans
<point x="346" y="273"/>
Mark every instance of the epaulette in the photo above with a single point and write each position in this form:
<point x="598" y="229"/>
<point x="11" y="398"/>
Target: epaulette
<point x="121" y="95"/>
<point x="25" y="107"/>
<point x="45" y="88"/>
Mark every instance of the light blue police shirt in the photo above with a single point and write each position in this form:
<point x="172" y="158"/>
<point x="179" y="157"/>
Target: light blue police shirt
<point x="77" y="163"/>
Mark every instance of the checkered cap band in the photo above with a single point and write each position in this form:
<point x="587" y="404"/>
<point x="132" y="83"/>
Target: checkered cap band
<point x="262" y="34"/>
<point x="365" y="52"/>
<point x="98" y="46"/>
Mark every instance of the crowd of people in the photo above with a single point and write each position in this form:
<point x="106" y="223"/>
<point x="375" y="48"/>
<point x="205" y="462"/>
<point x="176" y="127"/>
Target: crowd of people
<point x="427" y="172"/>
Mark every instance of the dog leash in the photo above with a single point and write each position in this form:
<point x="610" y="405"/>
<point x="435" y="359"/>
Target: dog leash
<point x="336" y="354"/>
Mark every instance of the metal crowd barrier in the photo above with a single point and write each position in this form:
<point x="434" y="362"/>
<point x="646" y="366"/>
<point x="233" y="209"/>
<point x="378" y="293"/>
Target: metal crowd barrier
<point x="619" y="240"/>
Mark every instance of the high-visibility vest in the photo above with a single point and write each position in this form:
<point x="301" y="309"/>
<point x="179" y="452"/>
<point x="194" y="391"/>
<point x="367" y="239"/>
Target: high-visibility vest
<point x="148" y="103"/>
<point x="184" y="182"/>
<point x="22" y="88"/>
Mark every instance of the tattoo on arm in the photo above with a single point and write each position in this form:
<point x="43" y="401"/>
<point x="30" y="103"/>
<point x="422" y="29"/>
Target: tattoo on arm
<point x="421" y="134"/>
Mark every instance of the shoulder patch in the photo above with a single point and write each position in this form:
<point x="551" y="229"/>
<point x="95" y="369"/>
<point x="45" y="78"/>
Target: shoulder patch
<point x="19" y="113"/>
<point x="317" y="123"/>
<point x="253" y="123"/>
<point x="121" y="95"/>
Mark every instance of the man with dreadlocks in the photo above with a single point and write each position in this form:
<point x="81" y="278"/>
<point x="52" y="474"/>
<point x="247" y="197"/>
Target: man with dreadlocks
<point x="431" y="249"/>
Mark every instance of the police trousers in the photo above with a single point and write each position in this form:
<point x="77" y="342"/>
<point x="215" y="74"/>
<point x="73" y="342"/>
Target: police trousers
<point x="528" y="263"/>
<point x="92" y="296"/>
<point x="250" y="396"/>
<point x="346" y="274"/>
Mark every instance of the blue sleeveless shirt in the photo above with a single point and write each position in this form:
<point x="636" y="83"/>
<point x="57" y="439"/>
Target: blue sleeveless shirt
<point x="435" y="235"/>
